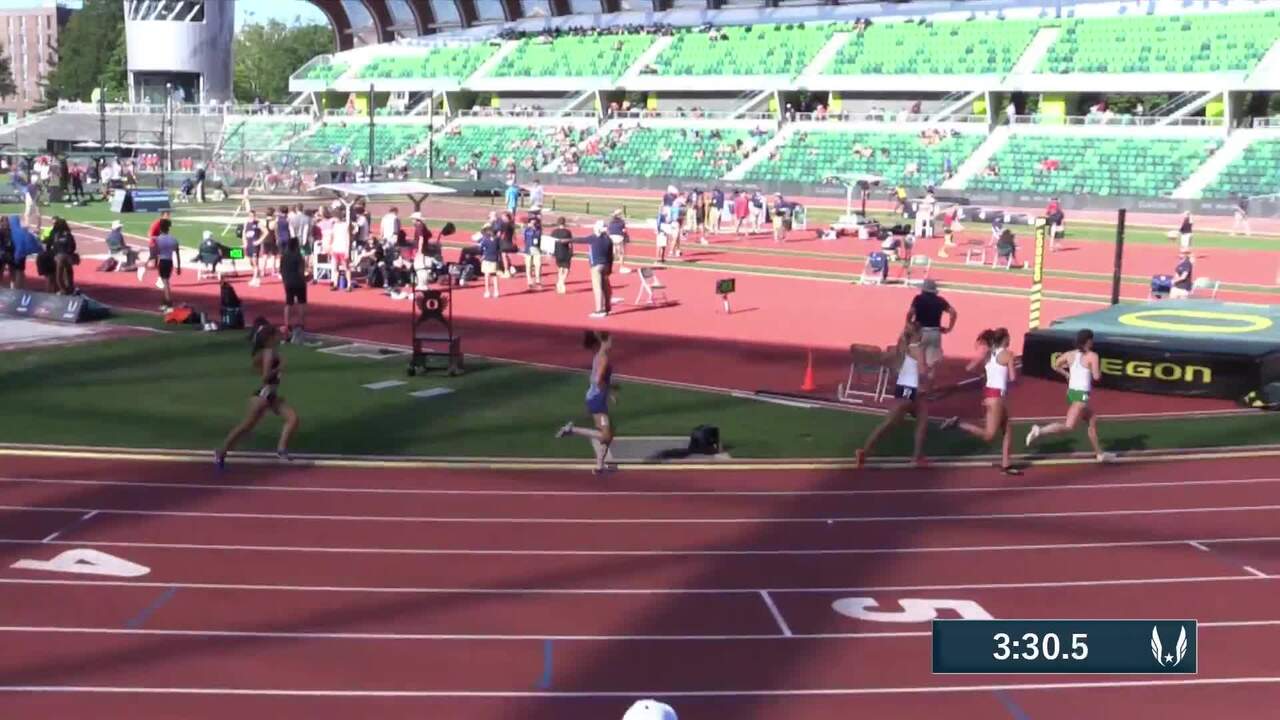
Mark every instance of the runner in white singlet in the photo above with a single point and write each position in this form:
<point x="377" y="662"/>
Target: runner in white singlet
<point x="1081" y="367"/>
<point x="913" y="375"/>
<point x="997" y="361"/>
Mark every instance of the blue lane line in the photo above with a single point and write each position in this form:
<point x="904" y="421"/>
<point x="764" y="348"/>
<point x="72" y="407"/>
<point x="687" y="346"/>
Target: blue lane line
<point x="141" y="618"/>
<point x="1015" y="710"/>
<point x="544" y="683"/>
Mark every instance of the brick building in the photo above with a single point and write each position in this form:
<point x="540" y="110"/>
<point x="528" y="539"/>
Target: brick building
<point x="29" y="38"/>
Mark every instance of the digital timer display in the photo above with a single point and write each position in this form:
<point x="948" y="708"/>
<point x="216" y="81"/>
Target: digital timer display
<point x="1065" y="646"/>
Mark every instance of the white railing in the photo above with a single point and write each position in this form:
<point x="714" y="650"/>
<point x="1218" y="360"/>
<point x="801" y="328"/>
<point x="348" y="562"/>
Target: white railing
<point x="490" y="112"/>
<point x="1266" y="122"/>
<point x="1117" y="120"/>
<point x="90" y="108"/>
<point x="886" y="117"/>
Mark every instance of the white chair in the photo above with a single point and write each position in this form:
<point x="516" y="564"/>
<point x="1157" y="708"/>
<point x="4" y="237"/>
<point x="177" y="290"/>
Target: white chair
<point x="651" y="288"/>
<point x="1002" y="261"/>
<point x="1205" y="284"/>
<point x="975" y="255"/>
<point x="325" y="268"/>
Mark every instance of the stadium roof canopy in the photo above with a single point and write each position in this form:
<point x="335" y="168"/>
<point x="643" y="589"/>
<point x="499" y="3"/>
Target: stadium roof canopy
<point x="364" y="22"/>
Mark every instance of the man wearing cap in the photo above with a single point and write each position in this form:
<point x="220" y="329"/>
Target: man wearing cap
<point x="618" y="235"/>
<point x="125" y="255"/>
<point x="533" y="249"/>
<point x="1182" y="277"/>
<point x="650" y="710"/>
<point x="927" y="310"/>
<point x="600" y="256"/>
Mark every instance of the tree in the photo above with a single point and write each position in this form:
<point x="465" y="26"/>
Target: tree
<point x="266" y="54"/>
<point x="115" y="76"/>
<point x="85" y="47"/>
<point x="7" y="87"/>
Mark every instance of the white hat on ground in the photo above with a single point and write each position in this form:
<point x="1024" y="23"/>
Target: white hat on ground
<point x="650" y="710"/>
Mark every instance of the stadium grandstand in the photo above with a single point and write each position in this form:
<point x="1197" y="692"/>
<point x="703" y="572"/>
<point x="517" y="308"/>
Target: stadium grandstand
<point x="1101" y="101"/>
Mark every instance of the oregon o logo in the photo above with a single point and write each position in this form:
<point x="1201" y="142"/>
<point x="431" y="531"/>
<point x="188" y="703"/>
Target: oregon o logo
<point x="1184" y="321"/>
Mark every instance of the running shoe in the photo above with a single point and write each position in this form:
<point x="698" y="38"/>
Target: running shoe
<point x="142" y="272"/>
<point x="1106" y="457"/>
<point x="565" y="429"/>
<point x="284" y="455"/>
<point x="1033" y="434"/>
<point x="949" y="423"/>
<point x="159" y="284"/>
<point x="1010" y="470"/>
<point x="860" y="458"/>
<point x="598" y="314"/>
<point x="219" y="460"/>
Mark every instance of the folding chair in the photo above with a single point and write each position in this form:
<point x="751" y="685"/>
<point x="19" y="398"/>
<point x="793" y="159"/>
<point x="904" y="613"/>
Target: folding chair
<point x="866" y="362"/>
<point x="875" y="269"/>
<point x="1205" y="283"/>
<point x="923" y="261"/>
<point x="1002" y="261"/>
<point x="651" y="288"/>
<point x="325" y="268"/>
<point x="1161" y="285"/>
<point x="975" y="255"/>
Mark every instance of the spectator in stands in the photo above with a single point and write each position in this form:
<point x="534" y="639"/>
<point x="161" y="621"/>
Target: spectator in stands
<point x="489" y="259"/>
<point x="991" y="170"/>
<point x="927" y="310"/>
<point x="1182" y="277"/>
<point x="600" y="257"/>
<point x="168" y="259"/>
<point x="1241" y="212"/>
<point x="563" y="253"/>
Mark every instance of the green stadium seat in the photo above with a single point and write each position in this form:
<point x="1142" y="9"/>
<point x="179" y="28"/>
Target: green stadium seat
<point x="749" y="50"/>
<point x="574" y="56"/>
<point x="1098" y="165"/>
<point x="898" y="157"/>
<point x="453" y="62"/>
<point x="935" y="48"/>
<point x="1255" y="172"/>
<point x="689" y="153"/>
<point x="1163" y="44"/>
<point x="325" y="70"/>
<point x="498" y="147"/>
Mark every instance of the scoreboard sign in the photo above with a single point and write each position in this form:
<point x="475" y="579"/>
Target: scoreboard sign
<point x="138" y="200"/>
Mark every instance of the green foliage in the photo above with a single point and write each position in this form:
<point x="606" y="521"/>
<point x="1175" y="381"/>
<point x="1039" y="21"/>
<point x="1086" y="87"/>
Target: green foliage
<point x="7" y="86"/>
<point x="85" y="49"/>
<point x="266" y="54"/>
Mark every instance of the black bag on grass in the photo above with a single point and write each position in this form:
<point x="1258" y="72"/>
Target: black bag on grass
<point x="704" y="440"/>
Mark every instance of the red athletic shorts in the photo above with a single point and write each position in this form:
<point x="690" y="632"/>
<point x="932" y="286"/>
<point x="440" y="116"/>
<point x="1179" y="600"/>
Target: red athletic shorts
<point x="992" y="393"/>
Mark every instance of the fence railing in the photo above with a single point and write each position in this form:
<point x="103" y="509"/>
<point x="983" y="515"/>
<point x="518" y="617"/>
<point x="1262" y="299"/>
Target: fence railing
<point x="1117" y="120"/>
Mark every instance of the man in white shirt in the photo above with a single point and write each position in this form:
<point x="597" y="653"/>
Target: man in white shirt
<point x="536" y="194"/>
<point x="391" y="226"/>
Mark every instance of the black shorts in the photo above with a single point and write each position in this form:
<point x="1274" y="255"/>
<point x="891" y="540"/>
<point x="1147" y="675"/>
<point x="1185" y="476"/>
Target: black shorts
<point x="295" y="294"/>
<point x="165" y="268"/>
<point x="12" y="263"/>
<point x="903" y="392"/>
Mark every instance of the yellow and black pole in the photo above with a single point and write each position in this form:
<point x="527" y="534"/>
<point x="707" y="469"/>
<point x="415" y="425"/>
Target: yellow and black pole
<point x="1037" y="274"/>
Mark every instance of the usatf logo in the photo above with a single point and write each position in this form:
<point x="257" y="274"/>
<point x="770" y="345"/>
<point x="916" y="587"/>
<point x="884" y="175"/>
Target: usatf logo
<point x="1165" y="659"/>
<point x="1144" y="370"/>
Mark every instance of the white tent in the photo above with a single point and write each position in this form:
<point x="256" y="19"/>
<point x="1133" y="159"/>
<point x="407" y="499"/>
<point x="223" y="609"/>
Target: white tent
<point x="415" y="191"/>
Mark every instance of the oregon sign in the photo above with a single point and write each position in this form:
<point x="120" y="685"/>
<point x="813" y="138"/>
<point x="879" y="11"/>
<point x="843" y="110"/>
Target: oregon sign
<point x="1173" y="372"/>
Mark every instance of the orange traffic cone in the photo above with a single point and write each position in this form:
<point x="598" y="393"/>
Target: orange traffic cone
<point x="809" y="385"/>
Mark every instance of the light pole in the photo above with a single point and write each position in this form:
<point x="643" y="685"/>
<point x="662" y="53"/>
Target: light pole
<point x="167" y="120"/>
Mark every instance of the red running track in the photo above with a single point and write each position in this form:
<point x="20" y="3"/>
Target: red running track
<point x="323" y="592"/>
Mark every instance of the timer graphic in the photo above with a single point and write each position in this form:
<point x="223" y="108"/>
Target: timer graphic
<point x="1064" y="646"/>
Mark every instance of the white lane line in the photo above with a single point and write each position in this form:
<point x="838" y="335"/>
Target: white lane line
<point x="630" y="694"/>
<point x="648" y="520"/>
<point x="785" y="632"/>
<point x="639" y="493"/>
<point x="1197" y="546"/>
<point x="638" y="591"/>
<point x="70" y="526"/>
<point x="777" y="614"/>
<point x="634" y="553"/>
<point x="1255" y="572"/>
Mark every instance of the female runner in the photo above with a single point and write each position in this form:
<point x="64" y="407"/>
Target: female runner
<point x="997" y="360"/>
<point x="598" y="393"/>
<point x="1082" y="368"/>
<point x="268" y="363"/>
<point x="913" y="374"/>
